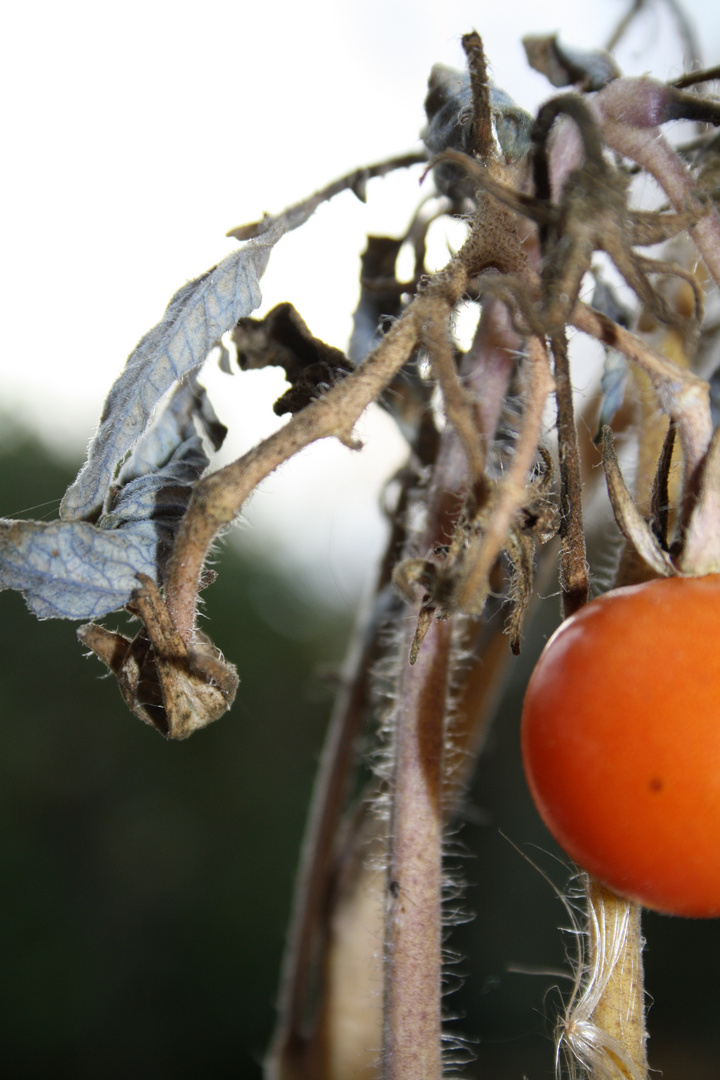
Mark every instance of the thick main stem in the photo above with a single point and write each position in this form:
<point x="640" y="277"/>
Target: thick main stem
<point x="309" y="922"/>
<point x="412" y="1017"/>
<point x="615" y="946"/>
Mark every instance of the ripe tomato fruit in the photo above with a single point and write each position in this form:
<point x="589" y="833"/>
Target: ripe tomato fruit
<point x="621" y="742"/>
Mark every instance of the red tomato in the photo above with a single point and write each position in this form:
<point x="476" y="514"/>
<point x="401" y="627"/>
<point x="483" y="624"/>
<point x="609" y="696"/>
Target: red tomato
<point x="621" y="742"/>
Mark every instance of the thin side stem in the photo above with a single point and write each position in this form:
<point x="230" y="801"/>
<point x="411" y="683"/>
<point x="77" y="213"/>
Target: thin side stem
<point x="479" y="83"/>
<point x="513" y="488"/>
<point x="649" y="148"/>
<point x="353" y="181"/>
<point x="573" y="559"/>
<point x="692" y="78"/>
<point x="460" y="408"/>
<point x="635" y="7"/>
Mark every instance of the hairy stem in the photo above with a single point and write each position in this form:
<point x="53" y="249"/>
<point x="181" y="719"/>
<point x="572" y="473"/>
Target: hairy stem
<point x="460" y="409"/>
<point x="311" y="904"/>
<point x="573" y="561"/>
<point x="649" y="148"/>
<point x="412" y="1018"/>
<point x="480" y="85"/>
<point x="354" y="181"/>
<point x="218" y="499"/>
<point x="513" y="488"/>
<point x="615" y="956"/>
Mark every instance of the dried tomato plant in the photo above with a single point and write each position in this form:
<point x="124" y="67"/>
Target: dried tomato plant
<point x="495" y="471"/>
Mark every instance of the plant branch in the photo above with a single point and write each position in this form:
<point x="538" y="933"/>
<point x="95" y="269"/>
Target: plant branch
<point x="513" y="487"/>
<point x="692" y="78"/>
<point x="647" y="146"/>
<point x="573" y="561"/>
<point x="218" y="498"/>
<point x="356" y="181"/>
<point x="460" y="408"/>
<point x="479" y="85"/>
<point x="312" y="900"/>
<point x="682" y="396"/>
<point x="614" y="39"/>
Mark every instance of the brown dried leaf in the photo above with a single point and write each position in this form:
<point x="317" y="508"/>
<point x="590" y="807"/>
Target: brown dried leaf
<point x="630" y="521"/>
<point x="564" y="66"/>
<point x="701" y="549"/>
<point x="175" y="688"/>
<point x="282" y="339"/>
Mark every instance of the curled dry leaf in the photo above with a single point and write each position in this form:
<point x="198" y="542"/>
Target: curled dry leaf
<point x="282" y="339"/>
<point x="630" y="521"/>
<point x="198" y="314"/>
<point x="564" y="66"/>
<point x="174" y="687"/>
<point x="450" y="126"/>
<point x="79" y="570"/>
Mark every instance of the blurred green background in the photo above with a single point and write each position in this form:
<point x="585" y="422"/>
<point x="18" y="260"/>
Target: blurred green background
<point x="145" y="886"/>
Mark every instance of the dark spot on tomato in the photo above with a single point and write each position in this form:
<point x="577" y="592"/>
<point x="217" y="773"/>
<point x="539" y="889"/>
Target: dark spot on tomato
<point x="656" y="784"/>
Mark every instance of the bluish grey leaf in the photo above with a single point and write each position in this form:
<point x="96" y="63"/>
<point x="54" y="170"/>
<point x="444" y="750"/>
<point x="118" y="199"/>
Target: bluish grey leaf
<point x="224" y="359"/>
<point x="175" y="425"/>
<point x="449" y="110"/>
<point x="615" y="369"/>
<point x="160" y="496"/>
<point x="512" y="124"/>
<point x="613" y="382"/>
<point x="198" y="314"/>
<point x="77" y="570"/>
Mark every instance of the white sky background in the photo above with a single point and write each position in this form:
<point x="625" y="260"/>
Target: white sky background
<point x="135" y="135"/>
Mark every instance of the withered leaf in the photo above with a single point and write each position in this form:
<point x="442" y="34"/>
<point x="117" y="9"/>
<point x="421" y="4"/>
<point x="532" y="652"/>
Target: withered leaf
<point x="76" y="570"/>
<point x="630" y="521"/>
<point x="282" y="339"/>
<point x="701" y="550"/>
<point x="175" y="688"/>
<point x="381" y="301"/>
<point x="380" y="295"/>
<point x="612" y="383"/>
<point x="565" y="66"/>
<point x="197" y="315"/>
<point x="80" y="570"/>
<point x="449" y="111"/>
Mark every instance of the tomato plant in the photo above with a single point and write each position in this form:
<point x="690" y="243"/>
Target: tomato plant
<point x="621" y="742"/>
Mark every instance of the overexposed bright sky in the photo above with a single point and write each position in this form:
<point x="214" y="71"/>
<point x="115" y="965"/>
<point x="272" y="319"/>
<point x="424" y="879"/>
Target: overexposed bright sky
<point x="136" y="134"/>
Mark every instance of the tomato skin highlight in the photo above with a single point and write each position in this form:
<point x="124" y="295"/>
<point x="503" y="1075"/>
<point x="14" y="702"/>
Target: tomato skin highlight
<point x="621" y="742"/>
